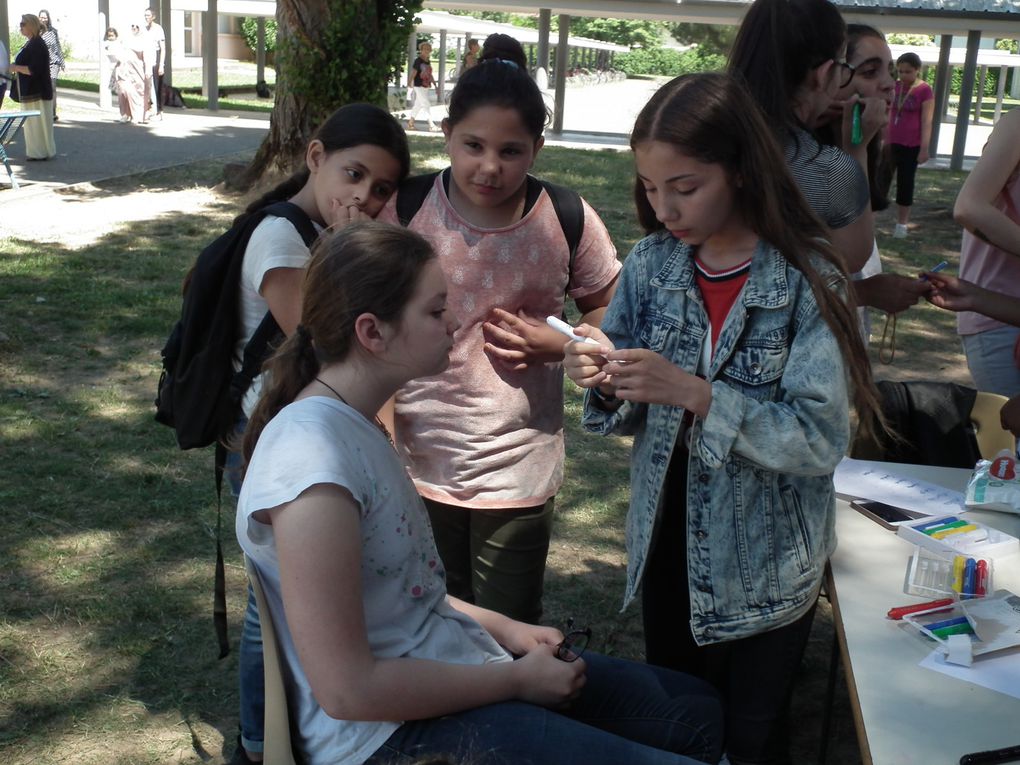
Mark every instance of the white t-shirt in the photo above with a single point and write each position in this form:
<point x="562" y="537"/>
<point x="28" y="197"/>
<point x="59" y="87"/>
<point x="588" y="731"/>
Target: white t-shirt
<point x="320" y="440"/>
<point x="157" y="39"/>
<point x="275" y="243"/>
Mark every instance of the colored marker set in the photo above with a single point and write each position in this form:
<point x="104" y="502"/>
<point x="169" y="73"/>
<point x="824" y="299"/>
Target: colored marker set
<point x="941" y="625"/>
<point x="951" y="534"/>
<point x="960" y="576"/>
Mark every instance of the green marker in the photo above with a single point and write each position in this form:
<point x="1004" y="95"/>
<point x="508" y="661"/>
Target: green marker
<point x="856" y="133"/>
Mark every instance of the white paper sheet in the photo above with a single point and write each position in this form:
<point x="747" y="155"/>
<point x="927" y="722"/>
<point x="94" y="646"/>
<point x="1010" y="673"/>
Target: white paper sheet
<point x="878" y="481"/>
<point x="998" y="672"/>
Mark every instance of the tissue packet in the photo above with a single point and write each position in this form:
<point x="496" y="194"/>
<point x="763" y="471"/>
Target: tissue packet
<point x="995" y="485"/>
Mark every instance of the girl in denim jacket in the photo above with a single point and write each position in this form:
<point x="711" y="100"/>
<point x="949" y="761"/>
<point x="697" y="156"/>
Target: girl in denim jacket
<point x="731" y="353"/>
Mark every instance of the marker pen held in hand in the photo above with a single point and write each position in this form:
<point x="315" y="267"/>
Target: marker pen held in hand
<point x="562" y="327"/>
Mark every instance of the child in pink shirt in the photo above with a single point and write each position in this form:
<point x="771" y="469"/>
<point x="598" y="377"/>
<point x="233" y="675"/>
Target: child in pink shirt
<point x="484" y="439"/>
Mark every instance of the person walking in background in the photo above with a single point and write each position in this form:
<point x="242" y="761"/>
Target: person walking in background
<point x="471" y="57"/>
<point x="127" y="79"/>
<point x="988" y="207"/>
<point x="35" y="88"/>
<point x="910" y="120"/>
<point x="139" y="45"/>
<point x="421" y="80"/>
<point x="52" y="40"/>
<point x="157" y="40"/>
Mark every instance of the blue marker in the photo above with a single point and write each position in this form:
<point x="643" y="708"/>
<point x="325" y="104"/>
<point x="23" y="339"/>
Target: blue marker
<point x="969" y="578"/>
<point x="935" y="522"/>
<point x="934" y="270"/>
<point x="941" y="625"/>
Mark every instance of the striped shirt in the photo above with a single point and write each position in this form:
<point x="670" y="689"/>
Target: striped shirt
<point x="832" y="181"/>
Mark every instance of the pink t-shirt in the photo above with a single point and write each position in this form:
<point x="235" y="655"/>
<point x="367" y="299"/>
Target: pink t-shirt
<point x="987" y="265"/>
<point x="905" y="113"/>
<point x="480" y="435"/>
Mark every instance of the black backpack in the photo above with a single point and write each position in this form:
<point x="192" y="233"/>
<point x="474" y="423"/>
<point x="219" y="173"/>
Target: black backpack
<point x="566" y="202"/>
<point x="199" y="393"/>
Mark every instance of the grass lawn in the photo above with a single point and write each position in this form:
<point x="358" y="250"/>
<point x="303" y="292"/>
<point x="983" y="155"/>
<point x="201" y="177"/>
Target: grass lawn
<point x="107" y="652"/>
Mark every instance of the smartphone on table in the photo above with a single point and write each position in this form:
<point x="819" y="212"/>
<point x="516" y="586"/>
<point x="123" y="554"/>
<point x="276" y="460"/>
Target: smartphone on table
<point x="885" y="515"/>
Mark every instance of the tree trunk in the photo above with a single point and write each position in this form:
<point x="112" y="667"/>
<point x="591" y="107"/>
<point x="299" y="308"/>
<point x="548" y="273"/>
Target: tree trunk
<point x="328" y="53"/>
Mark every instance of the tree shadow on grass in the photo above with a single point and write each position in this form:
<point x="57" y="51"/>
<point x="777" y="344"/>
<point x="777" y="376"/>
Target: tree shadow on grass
<point x="106" y="587"/>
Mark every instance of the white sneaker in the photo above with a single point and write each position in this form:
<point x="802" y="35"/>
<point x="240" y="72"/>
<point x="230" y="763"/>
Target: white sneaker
<point x="900" y="232"/>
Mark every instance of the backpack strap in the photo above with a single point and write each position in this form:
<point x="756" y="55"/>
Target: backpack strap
<point x="268" y="330"/>
<point x="411" y="196"/>
<point x="251" y="364"/>
<point x="566" y="202"/>
<point x="570" y="213"/>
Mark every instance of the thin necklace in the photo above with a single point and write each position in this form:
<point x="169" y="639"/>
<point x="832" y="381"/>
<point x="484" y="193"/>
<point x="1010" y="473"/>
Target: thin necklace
<point x="378" y="422"/>
<point x="901" y="100"/>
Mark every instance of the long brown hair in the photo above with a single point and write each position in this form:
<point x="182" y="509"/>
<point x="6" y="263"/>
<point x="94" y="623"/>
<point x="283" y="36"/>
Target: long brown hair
<point x="362" y="268"/>
<point x="712" y="118"/>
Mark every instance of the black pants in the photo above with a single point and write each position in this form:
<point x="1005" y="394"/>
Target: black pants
<point x="754" y="675"/>
<point x="157" y="89"/>
<point x="905" y="161"/>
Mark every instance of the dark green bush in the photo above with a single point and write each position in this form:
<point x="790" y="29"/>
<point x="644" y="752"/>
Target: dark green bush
<point x="667" y="62"/>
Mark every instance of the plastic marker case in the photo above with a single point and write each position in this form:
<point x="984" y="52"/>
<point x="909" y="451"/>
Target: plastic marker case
<point x="938" y="575"/>
<point x="948" y="534"/>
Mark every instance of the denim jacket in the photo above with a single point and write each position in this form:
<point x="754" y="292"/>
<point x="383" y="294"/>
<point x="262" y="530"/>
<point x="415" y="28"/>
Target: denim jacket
<point x="760" y="499"/>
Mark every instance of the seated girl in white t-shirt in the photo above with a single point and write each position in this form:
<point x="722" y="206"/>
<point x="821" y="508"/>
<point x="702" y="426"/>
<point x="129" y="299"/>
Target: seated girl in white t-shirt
<point x="380" y="664"/>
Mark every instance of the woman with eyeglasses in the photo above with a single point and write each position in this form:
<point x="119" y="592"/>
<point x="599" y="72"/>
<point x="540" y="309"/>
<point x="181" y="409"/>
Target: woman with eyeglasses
<point x="35" y="89"/>
<point x="874" y="77"/>
<point x="791" y="55"/>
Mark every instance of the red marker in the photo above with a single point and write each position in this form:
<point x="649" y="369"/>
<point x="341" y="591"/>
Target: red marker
<point x="935" y="605"/>
<point x="982" y="578"/>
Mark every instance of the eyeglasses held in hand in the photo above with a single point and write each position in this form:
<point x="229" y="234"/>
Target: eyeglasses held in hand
<point x="574" y="643"/>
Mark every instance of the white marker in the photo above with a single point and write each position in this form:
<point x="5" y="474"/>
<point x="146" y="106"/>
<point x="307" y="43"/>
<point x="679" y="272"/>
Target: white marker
<point x="561" y="326"/>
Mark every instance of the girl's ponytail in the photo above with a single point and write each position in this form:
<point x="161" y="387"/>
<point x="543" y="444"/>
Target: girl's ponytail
<point x="292" y="367"/>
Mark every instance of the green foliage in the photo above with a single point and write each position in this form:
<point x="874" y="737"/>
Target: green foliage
<point x="629" y="32"/>
<point x="955" y="86"/>
<point x="250" y="32"/>
<point x="917" y="41"/>
<point x="1007" y="44"/>
<point x="711" y="38"/>
<point x="668" y="62"/>
<point x="17" y="42"/>
<point x="359" y="48"/>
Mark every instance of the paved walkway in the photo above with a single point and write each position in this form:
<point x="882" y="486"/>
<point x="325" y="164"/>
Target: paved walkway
<point x="93" y="146"/>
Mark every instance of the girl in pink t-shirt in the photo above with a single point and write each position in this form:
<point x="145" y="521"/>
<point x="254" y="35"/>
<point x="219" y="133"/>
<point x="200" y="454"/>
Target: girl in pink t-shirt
<point x="910" y="118"/>
<point x="484" y="439"/>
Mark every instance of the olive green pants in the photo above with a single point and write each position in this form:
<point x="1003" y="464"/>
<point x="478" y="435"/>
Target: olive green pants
<point x="495" y="558"/>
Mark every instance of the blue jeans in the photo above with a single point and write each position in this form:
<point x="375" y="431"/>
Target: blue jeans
<point x="990" y="359"/>
<point x="627" y="713"/>
<point x="251" y="682"/>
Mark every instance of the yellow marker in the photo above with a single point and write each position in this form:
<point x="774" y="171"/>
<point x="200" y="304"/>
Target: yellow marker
<point x="959" y="564"/>
<point x="956" y="530"/>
